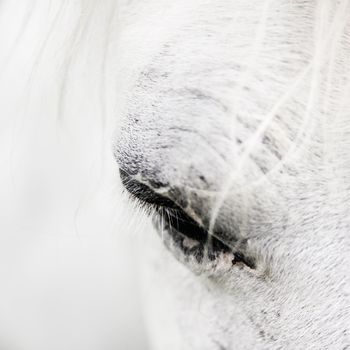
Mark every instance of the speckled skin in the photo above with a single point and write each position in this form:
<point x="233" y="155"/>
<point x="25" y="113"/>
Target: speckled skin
<point x="239" y="112"/>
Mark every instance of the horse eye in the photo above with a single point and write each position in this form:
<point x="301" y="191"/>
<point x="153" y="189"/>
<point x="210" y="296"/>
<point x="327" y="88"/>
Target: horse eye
<point x="183" y="235"/>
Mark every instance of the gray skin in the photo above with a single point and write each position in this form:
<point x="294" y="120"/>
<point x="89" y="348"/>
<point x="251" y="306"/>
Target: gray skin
<point x="238" y="112"/>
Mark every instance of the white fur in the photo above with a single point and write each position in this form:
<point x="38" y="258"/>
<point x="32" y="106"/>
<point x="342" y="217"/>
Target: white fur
<point x="252" y="95"/>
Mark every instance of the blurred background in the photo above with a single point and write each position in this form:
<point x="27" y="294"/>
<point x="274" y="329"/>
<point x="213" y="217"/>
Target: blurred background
<point x="68" y="263"/>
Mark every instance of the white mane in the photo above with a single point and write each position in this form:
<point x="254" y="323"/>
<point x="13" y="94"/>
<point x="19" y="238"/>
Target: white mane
<point x="67" y="268"/>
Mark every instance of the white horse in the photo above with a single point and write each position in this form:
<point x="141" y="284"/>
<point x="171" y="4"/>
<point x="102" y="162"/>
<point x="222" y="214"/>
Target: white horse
<point x="235" y="136"/>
